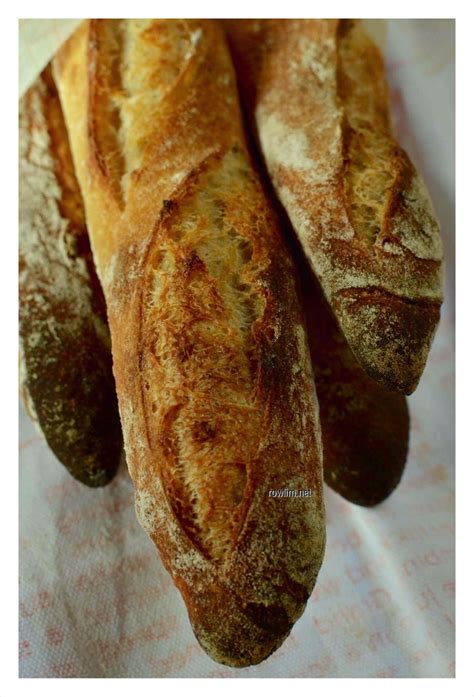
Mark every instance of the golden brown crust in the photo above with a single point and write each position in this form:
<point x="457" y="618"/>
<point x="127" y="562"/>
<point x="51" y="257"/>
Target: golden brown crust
<point x="66" y="374"/>
<point x="210" y="353"/>
<point x="316" y="92"/>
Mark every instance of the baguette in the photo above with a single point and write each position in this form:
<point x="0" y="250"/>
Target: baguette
<point x="364" y="426"/>
<point x="66" y="365"/>
<point x="317" y="96"/>
<point x="211" y="360"/>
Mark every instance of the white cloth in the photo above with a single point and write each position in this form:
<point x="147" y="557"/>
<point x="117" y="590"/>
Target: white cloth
<point x="95" y="600"/>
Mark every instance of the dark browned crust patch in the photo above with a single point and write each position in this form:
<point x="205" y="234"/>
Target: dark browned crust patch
<point x="365" y="426"/>
<point x="65" y="344"/>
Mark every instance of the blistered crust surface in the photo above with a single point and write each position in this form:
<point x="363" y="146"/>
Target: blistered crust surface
<point x="317" y="95"/>
<point x="210" y="354"/>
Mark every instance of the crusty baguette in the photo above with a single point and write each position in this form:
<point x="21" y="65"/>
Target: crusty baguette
<point x="66" y="365"/>
<point x="318" y="99"/>
<point x="211" y="359"/>
<point x="364" y="426"/>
